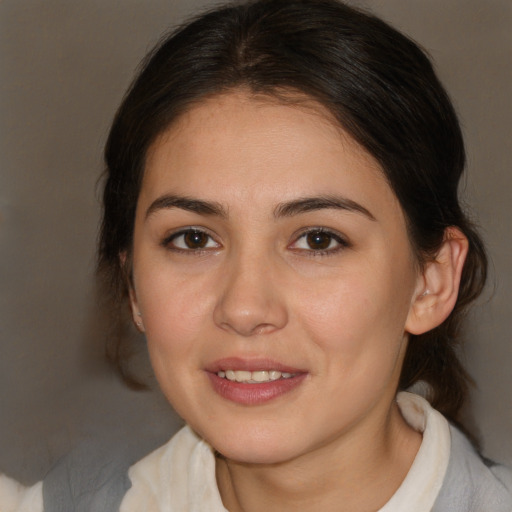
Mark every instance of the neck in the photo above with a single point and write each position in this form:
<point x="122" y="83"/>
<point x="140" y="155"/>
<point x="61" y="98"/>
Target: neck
<point x="358" y="472"/>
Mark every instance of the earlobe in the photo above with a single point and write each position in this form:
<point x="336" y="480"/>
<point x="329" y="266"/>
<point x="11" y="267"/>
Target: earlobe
<point x="137" y="318"/>
<point x="438" y="285"/>
<point x="136" y="314"/>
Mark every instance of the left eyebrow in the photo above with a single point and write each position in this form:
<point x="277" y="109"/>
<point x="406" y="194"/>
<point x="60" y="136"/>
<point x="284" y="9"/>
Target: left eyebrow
<point x="309" y="204"/>
<point x="169" y="201"/>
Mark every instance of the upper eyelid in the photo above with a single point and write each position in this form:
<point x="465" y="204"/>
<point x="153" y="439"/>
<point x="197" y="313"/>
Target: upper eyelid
<point x="340" y="239"/>
<point x="328" y="231"/>
<point x="183" y="230"/>
<point x="186" y="229"/>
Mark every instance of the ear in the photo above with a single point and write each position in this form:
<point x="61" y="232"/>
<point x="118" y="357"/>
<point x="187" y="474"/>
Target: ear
<point x="438" y="285"/>
<point x="134" y="305"/>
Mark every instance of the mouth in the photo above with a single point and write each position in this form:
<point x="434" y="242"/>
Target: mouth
<point x="256" y="377"/>
<point x="253" y="382"/>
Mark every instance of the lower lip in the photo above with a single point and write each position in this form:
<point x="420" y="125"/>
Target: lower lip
<point x="254" y="394"/>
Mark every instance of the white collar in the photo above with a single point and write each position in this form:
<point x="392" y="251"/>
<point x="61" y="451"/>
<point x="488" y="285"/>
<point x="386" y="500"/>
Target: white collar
<point x="180" y="476"/>
<point x="424" y="480"/>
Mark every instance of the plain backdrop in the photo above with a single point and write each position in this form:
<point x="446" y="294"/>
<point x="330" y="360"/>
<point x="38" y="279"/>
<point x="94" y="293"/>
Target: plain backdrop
<point x="64" y="66"/>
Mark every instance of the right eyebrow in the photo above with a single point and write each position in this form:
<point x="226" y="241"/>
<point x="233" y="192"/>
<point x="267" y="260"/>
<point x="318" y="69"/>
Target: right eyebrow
<point x="169" y="201"/>
<point x="309" y="204"/>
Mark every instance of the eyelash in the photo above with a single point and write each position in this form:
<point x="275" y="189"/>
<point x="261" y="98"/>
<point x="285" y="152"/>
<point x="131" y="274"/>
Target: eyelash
<point x="167" y="242"/>
<point x="342" y="243"/>
<point x="170" y="241"/>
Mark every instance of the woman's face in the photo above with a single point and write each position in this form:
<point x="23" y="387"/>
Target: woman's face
<point x="273" y="276"/>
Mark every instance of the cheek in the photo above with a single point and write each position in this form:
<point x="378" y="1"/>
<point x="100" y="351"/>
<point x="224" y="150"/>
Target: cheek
<point x="161" y="288"/>
<point x="359" y="318"/>
<point x="174" y="316"/>
<point x="174" y="311"/>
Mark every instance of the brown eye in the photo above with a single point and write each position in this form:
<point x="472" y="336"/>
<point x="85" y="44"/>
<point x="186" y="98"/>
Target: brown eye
<point x="195" y="239"/>
<point x="319" y="240"/>
<point x="191" y="240"/>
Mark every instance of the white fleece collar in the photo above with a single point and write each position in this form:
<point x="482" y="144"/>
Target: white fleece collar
<point x="180" y="476"/>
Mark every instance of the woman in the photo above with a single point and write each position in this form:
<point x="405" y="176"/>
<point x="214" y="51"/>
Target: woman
<point x="281" y="213"/>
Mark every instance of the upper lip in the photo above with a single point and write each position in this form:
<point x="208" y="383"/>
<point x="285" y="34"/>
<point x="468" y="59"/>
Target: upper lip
<point x="251" y="365"/>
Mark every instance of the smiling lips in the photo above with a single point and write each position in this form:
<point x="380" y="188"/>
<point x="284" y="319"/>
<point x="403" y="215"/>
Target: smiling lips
<point x="253" y="382"/>
<point x="254" y="377"/>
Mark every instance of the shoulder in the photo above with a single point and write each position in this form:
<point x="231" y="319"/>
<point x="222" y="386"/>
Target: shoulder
<point x="151" y="475"/>
<point x="465" y="481"/>
<point x="180" y="475"/>
<point x="102" y="474"/>
<point x="473" y="484"/>
<point x="93" y="476"/>
<point x="15" y="497"/>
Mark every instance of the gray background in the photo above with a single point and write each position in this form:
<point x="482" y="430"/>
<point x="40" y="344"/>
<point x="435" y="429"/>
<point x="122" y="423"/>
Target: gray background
<point x="64" y="67"/>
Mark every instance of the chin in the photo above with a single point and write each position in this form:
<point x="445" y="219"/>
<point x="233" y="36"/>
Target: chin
<point x="264" y="455"/>
<point x="258" y="446"/>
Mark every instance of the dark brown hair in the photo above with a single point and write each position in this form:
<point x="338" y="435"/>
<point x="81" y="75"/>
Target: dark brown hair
<point x="375" y="81"/>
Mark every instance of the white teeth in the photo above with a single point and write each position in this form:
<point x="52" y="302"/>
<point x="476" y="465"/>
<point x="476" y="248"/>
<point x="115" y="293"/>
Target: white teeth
<point x="253" y="377"/>
<point x="260" y="376"/>
<point x="242" y="376"/>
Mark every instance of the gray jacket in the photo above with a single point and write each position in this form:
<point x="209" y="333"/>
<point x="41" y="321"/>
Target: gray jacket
<point x="473" y="484"/>
<point x="90" y="480"/>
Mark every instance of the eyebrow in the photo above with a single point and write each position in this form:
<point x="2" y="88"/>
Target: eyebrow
<point x="309" y="204"/>
<point x="288" y="209"/>
<point x="199" y="206"/>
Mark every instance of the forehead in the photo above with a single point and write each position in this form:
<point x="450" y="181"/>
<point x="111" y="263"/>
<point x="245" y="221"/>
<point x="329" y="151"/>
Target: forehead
<point x="292" y="134"/>
<point x="242" y="148"/>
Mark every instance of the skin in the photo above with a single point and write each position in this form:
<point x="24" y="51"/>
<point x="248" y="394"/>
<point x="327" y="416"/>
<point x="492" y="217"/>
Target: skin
<point x="259" y="289"/>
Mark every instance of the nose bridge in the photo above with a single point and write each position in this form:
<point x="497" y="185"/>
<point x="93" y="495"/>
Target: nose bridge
<point x="249" y="301"/>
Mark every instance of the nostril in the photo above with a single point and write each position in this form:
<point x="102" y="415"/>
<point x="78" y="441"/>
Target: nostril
<point x="247" y="327"/>
<point x="258" y="318"/>
<point x="264" y="328"/>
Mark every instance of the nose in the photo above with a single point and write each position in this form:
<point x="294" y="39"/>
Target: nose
<point x="250" y="301"/>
